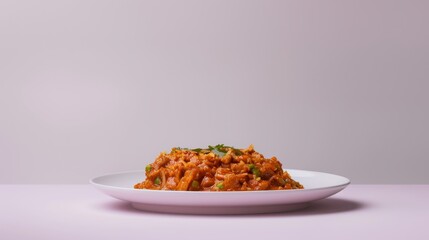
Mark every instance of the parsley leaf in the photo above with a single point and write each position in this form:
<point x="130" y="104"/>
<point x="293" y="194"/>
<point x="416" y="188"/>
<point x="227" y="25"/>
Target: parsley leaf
<point x="220" y="150"/>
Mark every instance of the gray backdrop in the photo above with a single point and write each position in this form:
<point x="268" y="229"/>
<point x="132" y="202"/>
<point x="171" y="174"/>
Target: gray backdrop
<point x="92" y="87"/>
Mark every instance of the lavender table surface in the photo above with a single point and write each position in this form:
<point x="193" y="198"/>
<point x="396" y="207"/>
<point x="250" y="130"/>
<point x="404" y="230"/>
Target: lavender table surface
<point x="81" y="212"/>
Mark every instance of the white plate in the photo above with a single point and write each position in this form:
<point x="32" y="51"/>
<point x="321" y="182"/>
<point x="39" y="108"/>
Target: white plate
<point x="317" y="186"/>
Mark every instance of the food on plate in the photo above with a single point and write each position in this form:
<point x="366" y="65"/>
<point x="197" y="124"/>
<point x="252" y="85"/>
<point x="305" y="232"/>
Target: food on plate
<point x="216" y="168"/>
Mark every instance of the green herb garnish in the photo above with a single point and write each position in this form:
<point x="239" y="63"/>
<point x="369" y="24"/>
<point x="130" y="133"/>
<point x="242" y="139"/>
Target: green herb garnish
<point x="148" y="168"/>
<point x="197" y="149"/>
<point x="219" y="150"/>
<point x="220" y="185"/>
<point x="256" y="172"/>
<point x="195" y="184"/>
<point x="157" y="181"/>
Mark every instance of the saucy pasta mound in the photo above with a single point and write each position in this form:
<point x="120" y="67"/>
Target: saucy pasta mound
<point x="216" y="168"/>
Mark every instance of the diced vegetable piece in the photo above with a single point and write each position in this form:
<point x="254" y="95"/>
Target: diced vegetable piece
<point x="195" y="184"/>
<point x="157" y="181"/>
<point x="256" y="172"/>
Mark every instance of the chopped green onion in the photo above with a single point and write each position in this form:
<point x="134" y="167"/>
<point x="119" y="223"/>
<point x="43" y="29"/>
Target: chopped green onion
<point x="256" y="172"/>
<point x="148" y="168"/>
<point x="238" y="152"/>
<point x="196" y="149"/>
<point x="195" y="184"/>
<point x="157" y="181"/>
<point x="220" y="185"/>
<point x="219" y="150"/>
<point x="251" y="166"/>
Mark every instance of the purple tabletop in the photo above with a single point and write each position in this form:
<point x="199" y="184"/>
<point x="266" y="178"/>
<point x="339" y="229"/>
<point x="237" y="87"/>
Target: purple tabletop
<point x="81" y="212"/>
